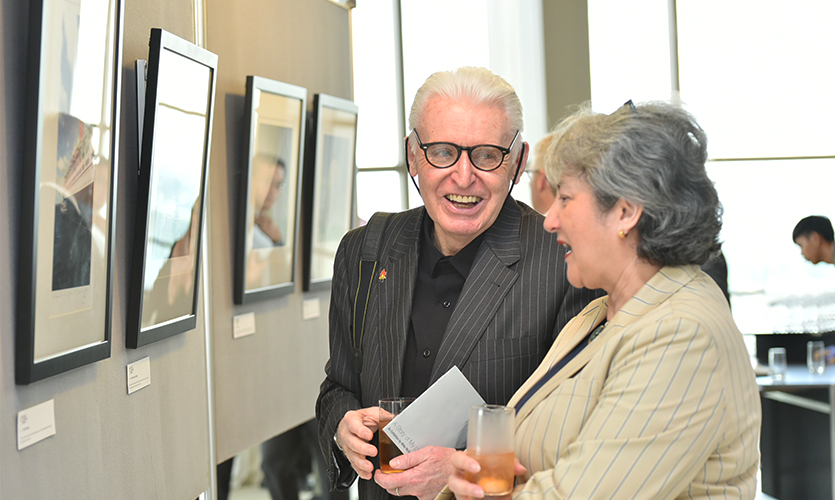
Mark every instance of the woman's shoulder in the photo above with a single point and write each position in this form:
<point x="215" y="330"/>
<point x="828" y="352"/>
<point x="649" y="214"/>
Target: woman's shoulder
<point x="681" y="295"/>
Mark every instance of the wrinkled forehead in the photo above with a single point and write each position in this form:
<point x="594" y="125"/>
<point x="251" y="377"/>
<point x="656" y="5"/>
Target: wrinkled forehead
<point x="449" y="116"/>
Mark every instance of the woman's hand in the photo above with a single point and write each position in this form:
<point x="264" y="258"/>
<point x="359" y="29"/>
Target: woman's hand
<point x="463" y="464"/>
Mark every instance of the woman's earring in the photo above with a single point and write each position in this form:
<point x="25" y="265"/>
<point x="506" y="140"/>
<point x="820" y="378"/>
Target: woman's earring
<point x="622" y="234"/>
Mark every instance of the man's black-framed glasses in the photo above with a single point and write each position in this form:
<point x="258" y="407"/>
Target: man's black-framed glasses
<point x="485" y="157"/>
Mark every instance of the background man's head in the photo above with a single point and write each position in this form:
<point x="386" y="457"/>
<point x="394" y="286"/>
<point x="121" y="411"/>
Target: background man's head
<point x="466" y="107"/>
<point x="542" y="192"/>
<point x="813" y="235"/>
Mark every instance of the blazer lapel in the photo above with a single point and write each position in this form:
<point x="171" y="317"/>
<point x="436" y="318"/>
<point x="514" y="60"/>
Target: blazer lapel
<point x="573" y="333"/>
<point x="395" y="299"/>
<point x="486" y="286"/>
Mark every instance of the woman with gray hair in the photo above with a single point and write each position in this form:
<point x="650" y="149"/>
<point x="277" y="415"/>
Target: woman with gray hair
<point x="648" y="393"/>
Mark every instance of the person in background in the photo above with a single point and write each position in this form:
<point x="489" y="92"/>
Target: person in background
<point x="813" y="235"/>
<point x="471" y="279"/>
<point x="542" y="192"/>
<point x="717" y="268"/>
<point x="268" y="174"/>
<point x="648" y="393"/>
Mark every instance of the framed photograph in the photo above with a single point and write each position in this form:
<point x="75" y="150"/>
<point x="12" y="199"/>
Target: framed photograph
<point x="267" y="225"/>
<point x="329" y="192"/>
<point x="69" y="185"/>
<point x="174" y="159"/>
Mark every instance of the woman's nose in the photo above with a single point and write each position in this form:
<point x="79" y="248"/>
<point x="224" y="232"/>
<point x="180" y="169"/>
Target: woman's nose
<point x="552" y="220"/>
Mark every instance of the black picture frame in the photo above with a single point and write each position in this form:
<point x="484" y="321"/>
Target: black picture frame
<point x="170" y="206"/>
<point x="330" y="190"/>
<point x="269" y="201"/>
<point x="64" y="306"/>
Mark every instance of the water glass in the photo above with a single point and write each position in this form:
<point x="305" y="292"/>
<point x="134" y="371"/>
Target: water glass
<point x="490" y="440"/>
<point x="777" y="363"/>
<point x="816" y="356"/>
<point x="390" y="408"/>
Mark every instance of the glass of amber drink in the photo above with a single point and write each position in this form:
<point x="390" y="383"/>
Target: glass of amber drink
<point x="390" y="408"/>
<point x="490" y="441"/>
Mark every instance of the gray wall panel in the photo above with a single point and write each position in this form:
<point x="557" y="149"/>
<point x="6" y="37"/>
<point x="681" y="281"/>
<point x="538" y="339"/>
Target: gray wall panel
<point x="155" y="442"/>
<point x="265" y="383"/>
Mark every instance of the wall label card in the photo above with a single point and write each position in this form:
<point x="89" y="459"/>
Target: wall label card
<point x="139" y="375"/>
<point x="311" y="309"/>
<point x="243" y="325"/>
<point x="35" y="424"/>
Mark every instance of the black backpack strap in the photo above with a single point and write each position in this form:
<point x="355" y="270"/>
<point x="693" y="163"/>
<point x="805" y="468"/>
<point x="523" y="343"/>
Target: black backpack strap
<point x="374" y="231"/>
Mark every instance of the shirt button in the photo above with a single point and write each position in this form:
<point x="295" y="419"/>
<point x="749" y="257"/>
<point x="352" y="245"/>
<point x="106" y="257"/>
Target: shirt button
<point x="427" y="353"/>
<point x="447" y="304"/>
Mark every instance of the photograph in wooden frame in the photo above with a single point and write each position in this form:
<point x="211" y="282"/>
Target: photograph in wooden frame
<point x="170" y="206"/>
<point x="69" y="185"/>
<point x="267" y="226"/>
<point x="329" y="186"/>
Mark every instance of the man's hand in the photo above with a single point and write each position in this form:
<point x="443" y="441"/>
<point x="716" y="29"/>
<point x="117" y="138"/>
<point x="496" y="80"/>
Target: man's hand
<point x="425" y="473"/>
<point x="355" y="431"/>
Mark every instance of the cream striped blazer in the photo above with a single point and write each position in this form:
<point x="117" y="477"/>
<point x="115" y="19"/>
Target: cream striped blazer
<point x="662" y="404"/>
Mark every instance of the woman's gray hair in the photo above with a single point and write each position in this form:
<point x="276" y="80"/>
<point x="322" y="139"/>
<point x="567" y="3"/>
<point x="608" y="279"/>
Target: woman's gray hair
<point x="652" y="154"/>
<point x="474" y="85"/>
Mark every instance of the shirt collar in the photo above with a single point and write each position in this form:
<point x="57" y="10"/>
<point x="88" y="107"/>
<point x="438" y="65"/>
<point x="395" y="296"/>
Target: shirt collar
<point x="462" y="261"/>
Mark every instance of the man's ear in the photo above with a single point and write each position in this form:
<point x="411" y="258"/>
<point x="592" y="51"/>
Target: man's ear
<point x="411" y="158"/>
<point x="525" y="151"/>
<point x="815" y="238"/>
<point x="541" y="182"/>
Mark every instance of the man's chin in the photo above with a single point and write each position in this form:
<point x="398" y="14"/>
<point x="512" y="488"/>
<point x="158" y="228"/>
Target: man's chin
<point x="459" y="231"/>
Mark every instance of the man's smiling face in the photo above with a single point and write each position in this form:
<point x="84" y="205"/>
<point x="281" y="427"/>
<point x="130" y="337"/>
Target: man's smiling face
<point x="462" y="200"/>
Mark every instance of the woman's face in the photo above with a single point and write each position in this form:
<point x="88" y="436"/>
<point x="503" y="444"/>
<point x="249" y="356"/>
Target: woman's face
<point x="586" y="233"/>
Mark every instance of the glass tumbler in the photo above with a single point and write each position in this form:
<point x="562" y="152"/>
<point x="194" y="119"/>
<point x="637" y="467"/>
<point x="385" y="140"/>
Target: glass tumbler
<point x="816" y="356"/>
<point x="777" y="363"/>
<point x="490" y="440"/>
<point x="390" y="408"/>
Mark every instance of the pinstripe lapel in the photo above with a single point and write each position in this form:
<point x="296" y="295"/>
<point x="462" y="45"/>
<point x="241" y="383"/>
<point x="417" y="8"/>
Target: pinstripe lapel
<point x="592" y="315"/>
<point x="396" y="299"/>
<point x="487" y="284"/>
<point x="572" y="334"/>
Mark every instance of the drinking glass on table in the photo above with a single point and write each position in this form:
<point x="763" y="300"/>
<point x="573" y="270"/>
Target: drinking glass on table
<point x="490" y="439"/>
<point x="390" y="408"/>
<point x="777" y="363"/>
<point x="816" y="356"/>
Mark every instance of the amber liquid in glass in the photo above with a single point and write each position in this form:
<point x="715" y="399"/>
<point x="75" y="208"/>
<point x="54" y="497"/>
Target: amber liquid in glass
<point x="496" y="476"/>
<point x="388" y="450"/>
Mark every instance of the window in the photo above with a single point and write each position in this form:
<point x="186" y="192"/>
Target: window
<point x="757" y="77"/>
<point x="381" y="182"/>
<point x="436" y="35"/>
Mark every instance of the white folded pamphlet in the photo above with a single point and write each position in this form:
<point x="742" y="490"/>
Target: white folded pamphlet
<point x="438" y="417"/>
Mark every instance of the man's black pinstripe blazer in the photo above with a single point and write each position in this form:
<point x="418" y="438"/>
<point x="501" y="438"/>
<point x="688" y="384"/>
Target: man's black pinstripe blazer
<point x="515" y="301"/>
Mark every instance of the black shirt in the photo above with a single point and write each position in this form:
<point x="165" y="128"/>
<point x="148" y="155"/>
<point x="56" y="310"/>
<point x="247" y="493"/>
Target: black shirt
<point x="439" y="282"/>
